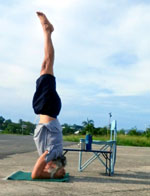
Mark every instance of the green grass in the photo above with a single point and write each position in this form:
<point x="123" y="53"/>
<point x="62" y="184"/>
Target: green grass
<point x="76" y="138"/>
<point x="127" y="140"/>
<point x="123" y="140"/>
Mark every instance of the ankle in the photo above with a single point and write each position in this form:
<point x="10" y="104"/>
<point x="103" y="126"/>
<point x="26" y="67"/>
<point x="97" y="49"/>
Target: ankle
<point x="47" y="33"/>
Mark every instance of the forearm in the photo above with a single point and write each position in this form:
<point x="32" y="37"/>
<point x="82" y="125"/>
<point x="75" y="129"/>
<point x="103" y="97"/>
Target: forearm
<point x="44" y="175"/>
<point x="39" y="166"/>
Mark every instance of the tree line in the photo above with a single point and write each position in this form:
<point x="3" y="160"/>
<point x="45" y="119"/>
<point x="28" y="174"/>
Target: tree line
<point x="22" y="127"/>
<point x="27" y="128"/>
<point x="88" y="127"/>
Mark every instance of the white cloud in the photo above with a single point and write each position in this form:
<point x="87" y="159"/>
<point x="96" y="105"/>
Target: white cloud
<point x="57" y="4"/>
<point x="129" y="34"/>
<point x="102" y="49"/>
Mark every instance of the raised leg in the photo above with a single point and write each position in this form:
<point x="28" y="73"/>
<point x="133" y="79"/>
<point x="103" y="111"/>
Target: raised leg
<point x="47" y="66"/>
<point x="48" y="62"/>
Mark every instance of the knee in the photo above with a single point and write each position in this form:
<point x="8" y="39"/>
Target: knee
<point x="47" y="63"/>
<point x="47" y="67"/>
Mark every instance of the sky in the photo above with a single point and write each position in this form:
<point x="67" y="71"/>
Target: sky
<point x="102" y="59"/>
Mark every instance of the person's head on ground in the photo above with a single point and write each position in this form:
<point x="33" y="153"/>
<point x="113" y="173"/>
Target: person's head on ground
<point x="56" y="167"/>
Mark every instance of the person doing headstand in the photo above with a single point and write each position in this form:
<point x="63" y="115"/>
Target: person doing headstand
<point x="47" y="103"/>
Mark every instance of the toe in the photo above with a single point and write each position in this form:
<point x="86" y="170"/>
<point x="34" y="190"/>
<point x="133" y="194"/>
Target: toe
<point x="39" y="13"/>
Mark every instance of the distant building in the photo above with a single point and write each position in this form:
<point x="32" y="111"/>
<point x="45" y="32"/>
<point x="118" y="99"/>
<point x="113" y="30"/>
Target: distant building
<point x="76" y="132"/>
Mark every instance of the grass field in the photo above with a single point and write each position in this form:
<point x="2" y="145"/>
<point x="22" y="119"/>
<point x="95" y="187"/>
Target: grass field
<point x="124" y="140"/>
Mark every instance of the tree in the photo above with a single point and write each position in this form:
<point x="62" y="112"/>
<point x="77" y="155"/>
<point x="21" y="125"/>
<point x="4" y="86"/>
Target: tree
<point x="147" y="132"/>
<point x="22" y="127"/>
<point x="67" y="129"/>
<point x="103" y="131"/>
<point x="12" y="128"/>
<point x="88" y="127"/>
<point x="6" y="123"/>
<point x="1" y="122"/>
<point x="121" y="131"/>
<point x="20" y="121"/>
<point x="134" y="131"/>
<point x="88" y="122"/>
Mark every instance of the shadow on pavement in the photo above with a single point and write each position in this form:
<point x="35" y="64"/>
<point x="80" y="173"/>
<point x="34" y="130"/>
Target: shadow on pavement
<point x="116" y="178"/>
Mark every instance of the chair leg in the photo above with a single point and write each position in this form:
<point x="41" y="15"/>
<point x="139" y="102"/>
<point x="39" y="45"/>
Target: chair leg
<point x="80" y="161"/>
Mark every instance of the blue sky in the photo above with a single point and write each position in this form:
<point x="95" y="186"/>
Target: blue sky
<point x="102" y="59"/>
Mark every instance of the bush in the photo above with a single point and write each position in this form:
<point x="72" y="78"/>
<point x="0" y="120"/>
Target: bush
<point x="133" y="132"/>
<point x="121" y="132"/>
<point x="147" y="133"/>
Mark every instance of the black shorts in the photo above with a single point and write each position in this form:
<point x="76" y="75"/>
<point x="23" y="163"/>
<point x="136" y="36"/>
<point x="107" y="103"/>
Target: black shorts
<point x="46" y="100"/>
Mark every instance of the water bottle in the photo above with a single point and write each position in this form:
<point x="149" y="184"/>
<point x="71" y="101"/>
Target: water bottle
<point x="82" y="144"/>
<point x="88" y="142"/>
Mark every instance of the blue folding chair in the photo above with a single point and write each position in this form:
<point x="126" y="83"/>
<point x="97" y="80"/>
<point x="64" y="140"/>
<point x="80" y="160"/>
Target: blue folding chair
<point x="106" y="152"/>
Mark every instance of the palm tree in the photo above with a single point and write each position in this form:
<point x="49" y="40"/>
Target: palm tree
<point x="88" y="126"/>
<point x="88" y="122"/>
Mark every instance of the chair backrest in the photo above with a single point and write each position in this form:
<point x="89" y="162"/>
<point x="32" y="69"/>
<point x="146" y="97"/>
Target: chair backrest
<point x="113" y="130"/>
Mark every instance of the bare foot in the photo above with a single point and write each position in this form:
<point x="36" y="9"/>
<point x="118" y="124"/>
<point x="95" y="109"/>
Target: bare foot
<point x="47" y="26"/>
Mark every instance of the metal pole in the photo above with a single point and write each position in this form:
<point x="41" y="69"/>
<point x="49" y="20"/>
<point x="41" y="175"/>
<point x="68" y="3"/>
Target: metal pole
<point x="109" y="122"/>
<point x="110" y="115"/>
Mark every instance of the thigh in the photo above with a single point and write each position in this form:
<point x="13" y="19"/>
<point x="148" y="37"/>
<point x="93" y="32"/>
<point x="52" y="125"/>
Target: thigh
<point x="46" y="100"/>
<point x="46" y="69"/>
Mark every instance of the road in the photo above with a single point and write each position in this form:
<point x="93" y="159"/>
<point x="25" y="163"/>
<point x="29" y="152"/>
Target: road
<point x="16" y="144"/>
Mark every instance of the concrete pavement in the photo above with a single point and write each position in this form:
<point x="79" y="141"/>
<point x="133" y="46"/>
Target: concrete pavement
<point x="132" y="175"/>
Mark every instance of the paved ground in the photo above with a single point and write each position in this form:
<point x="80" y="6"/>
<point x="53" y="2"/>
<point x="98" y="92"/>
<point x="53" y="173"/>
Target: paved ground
<point x="16" y="144"/>
<point x="132" y="172"/>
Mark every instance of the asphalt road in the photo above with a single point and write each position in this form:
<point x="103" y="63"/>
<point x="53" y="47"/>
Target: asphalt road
<point x="16" y="144"/>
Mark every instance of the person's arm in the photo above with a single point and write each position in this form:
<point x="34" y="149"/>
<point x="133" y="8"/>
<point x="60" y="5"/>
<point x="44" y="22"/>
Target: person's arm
<point x="38" y="170"/>
<point x="42" y="170"/>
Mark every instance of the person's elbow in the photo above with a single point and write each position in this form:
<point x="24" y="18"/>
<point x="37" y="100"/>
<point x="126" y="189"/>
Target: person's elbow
<point x="34" y="175"/>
